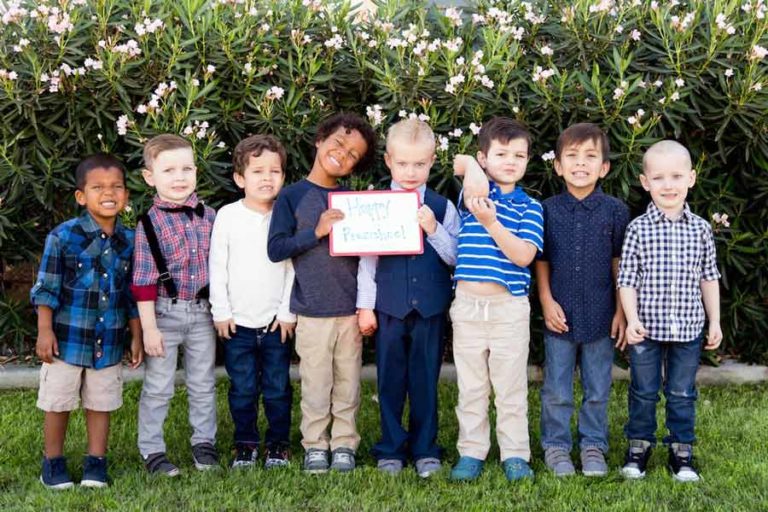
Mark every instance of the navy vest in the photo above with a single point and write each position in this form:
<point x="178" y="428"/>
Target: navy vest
<point x="420" y="282"/>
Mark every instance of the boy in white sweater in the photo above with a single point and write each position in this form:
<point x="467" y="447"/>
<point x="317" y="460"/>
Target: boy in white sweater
<point x="250" y="298"/>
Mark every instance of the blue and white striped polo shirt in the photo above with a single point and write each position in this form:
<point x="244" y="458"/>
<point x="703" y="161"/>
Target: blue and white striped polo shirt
<point x="480" y="259"/>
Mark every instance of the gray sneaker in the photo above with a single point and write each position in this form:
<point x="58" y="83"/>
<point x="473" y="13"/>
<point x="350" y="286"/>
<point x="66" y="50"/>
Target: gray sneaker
<point x="316" y="461"/>
<point x="427" y="466"/>
<point x="593" y="462"/>
<point x="205" y="456"/>
<point x="390" y="466"/>
<point x="559" y="461"/>
<point x="343" y="460"/>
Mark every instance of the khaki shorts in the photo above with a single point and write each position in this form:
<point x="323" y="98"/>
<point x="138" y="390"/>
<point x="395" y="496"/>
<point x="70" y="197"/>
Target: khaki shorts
<point x="62" y="385"/>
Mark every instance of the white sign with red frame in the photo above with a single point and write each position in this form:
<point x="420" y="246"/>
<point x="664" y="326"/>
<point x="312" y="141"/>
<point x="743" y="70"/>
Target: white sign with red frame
<point x="376" y="222"/>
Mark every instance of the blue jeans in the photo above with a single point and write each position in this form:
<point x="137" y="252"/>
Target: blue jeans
<point x="594" y="360"/>
<point x="258" y="364"/>
<point x="680" y="362"/>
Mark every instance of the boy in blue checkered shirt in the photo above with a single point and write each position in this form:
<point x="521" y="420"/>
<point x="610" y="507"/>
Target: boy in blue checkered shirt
<point x="83" y="306"/>
<point x="668" y="278"/>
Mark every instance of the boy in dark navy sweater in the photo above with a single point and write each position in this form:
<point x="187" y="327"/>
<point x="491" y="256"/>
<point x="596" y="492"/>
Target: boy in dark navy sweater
<point x="328" y="339"/>
<point x="410" y="295"/>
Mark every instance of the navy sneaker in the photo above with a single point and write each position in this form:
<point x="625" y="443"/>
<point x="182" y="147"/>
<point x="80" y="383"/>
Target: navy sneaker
<point x="637" y="459"/>
<point x="94" y="472"/>
<point x="681" y="463"/>
<point x="54" y="474"/>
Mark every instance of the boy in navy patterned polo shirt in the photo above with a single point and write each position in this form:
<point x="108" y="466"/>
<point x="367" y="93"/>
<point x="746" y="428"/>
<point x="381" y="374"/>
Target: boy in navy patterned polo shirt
<point x="668" y="267"/>
<point x="83" y="305"/>
<point x="583" y="232"/>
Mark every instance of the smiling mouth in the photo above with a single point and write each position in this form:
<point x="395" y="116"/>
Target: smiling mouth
<point x="108" y="204"/>
<point x="334" y="161"/>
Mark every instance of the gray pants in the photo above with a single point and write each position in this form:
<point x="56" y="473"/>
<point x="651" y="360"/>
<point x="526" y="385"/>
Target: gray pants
<point x="189" y="324"/>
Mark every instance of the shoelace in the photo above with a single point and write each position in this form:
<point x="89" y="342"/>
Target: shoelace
<point x="344" y="458"/>
<point x="315" y="456"/>
<point x="593" y="454"/>
<point x="557" y="456"/>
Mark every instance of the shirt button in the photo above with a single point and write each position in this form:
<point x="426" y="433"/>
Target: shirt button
<point x="79" y="265"/>
<point x="414" y="279"/>
<point x="577" y="269"/>
<point x="98" y="354"/>
<point x="194" y="250"/>
<point x="103" y="235"/>
<point x="414" y="302"/>
<point x="98" y="341"/>
<point x="191" y="277"/>
<point x="101" y="319"/>
<point x="106" y="251"/>
<point x="104" y="298"/>
<point x="105" y="275"/>
<point x="188" y="225"/>
<point x="578" y="247"/>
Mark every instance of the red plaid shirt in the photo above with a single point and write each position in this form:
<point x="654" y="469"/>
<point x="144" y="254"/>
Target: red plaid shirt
<point x="184" y="241"/>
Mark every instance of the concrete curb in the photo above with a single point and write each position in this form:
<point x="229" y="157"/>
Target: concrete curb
<point x="730" y="372"/>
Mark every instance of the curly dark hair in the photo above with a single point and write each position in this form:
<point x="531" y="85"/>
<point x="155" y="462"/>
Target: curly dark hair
<point x="351" y="122"/>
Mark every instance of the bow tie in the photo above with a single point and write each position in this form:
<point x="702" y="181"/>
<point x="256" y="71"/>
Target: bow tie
<point x="198" y="210"/>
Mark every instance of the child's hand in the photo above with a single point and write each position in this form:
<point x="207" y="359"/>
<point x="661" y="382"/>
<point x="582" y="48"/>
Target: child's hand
<point x="47" y="346"/>
<point x="483" y="209"/>
<point x="554" y="317"/>
<point x="635" y="332"/>
<point x="714" y="336"/>
<point x="225" y="327"/>
<point x="427" y="219"/>
<point x="366" y="321"/>
<point x="327" y="219"/>
<point x="286" y="329"/>
<point x="153" y="343"/>
<point x="619" y="328"/>
<point x="137" y="352"/>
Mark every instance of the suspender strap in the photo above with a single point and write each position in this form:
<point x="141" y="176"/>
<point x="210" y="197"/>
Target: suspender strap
<point x="157" y="255"/>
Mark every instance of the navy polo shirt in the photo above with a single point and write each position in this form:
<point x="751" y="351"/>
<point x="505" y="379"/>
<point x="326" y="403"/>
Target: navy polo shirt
<point x="580" y="240"/>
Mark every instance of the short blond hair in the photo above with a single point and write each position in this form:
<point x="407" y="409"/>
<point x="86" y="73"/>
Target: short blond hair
<point x="410" y="130"/>
<point x="160" y="143"/>
<point x="667" y="148"/>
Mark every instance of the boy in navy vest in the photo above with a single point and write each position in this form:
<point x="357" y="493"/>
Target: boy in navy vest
<point x="410" y="295"/>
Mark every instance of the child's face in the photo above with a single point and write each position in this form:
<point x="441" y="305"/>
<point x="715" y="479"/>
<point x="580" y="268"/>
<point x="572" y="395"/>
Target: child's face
<point x="668" y="178"/>
<point x="104" y="194"/>
<point x="505" y="163"/>
<point x="339" y="153"/>
<point x="262" y="178"/>
<point x="410" y="162"/>
<point x="581" y="165"/>
<point x="173" y="174"/>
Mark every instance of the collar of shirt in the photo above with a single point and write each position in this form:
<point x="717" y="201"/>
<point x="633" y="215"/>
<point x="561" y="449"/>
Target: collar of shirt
<point x="657" y="215"/>
<point x="517" y="196"/>
<point x="191" y="201"/>
<point x="92" y="229"/>
<point x="393" y="185"/>
<point x="258" y="216"/>
<point x="590" y="202"/>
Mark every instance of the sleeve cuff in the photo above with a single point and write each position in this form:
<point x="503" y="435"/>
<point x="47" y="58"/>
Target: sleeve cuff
<point x="45" y="299"/>
<point x="142" y="293"/>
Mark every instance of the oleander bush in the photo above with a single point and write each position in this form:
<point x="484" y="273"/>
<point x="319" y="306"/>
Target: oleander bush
<point x="82" y="76"/>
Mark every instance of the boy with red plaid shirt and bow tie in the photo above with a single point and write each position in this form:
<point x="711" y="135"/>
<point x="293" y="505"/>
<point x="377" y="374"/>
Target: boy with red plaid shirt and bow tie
<point x="170" y="285"/>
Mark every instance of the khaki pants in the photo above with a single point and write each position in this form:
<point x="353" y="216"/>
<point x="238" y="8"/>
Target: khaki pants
<point x="490" y="349"/>
<point x="331" y="351"/>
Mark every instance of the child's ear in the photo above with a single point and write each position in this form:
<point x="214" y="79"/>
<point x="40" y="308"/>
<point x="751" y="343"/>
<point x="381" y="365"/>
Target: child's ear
<point x="693" y="178"/>
<point x="558" y="167"/>
<point x="80" y="197"/>
<point x="148" y="177"/>
<point x="644" y="182"/>
<point x="239" y="179"/>
<point x="387" y="160"/>
<point x="604" y="169"/>
<point x="481" y="159"/>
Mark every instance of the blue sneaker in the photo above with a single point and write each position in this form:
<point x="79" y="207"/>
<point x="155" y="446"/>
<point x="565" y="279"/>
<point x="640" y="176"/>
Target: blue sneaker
<point x="467" y="469"/>
<point x="516" y="468"/>
<point x="55" y="475"/>
<point x="94" y="472"/>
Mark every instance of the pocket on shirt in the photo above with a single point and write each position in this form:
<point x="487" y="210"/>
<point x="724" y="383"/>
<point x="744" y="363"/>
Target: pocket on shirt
<point x="79" y="272"/>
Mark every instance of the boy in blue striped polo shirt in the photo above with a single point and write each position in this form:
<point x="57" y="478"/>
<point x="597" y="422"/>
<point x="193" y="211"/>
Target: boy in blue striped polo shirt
<point x="501" y="233"/>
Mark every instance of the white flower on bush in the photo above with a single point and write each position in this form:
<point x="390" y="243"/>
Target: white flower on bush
<point x="221" y="145"/>
<point x="474" y="128"/>
<point x="274" y="93"/>
<point x="478" y="19"/>
<point x="93" y="63"/>
<point x="454" y="16"/>
<point x="618" y="93"/>
<point x="210" y="69"/>
<point x="59" y="22"/>
<point x="141" y="109"/>
<point x="602" y="6"/>
<point x="14" y="12"/>
<point x="633" y="120"/>
<point x="635" y="35"/>
<point x="198" y="129"/>
<point x="728" y="73"/>
<point x="546" y="50"/>
<point x="722" y="24"/>
<point x="757" y="87"/>
<point x="680" y="82"/>
<point x="23" y="43"/>
<point x="336" y="42"/>
<point x="8" y="75"/>
<point x="486" y="82"/>
<point x="758" y="53"/>
<point x="122" y="124"/>
<point x="721" y="218"/>
<point x="374" y="114"/>
<point x="453" y="45"/>
<point x="658" y="83"/>
<point x="402" y="113"/>
<point x="619" y="29"/>
<point x="548" y="156"/>
<point x="442" y="143"/>
<point x="675" y="96"/>
<point x="130" y="48"/>
<point x="455" y="133"/>
<point x="247" y="68"/>
<point x="453" y="82"/>
<point x="540" y="74"/>
<point x="148" y="26"/>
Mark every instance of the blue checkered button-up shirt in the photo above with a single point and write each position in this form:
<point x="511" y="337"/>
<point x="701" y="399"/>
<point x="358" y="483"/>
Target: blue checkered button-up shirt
<point x="665" y="261"/>
<point x="84" y="277"/>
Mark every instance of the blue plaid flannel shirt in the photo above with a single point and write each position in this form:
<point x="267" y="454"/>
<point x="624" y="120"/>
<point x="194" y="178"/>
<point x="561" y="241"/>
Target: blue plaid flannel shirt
<point x="84" y="277"/>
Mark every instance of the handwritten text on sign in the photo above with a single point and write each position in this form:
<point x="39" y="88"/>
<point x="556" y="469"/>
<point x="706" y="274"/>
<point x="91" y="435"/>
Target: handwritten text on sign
<point x="376" y="222"/>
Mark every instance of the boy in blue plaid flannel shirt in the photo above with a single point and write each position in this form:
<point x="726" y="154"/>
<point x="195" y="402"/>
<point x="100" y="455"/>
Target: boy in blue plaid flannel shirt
<point x="668" y="267"/>
<point x="83" y="305"/>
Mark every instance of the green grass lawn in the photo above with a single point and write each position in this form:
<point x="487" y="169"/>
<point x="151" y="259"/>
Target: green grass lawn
<point x="732" y="454"/>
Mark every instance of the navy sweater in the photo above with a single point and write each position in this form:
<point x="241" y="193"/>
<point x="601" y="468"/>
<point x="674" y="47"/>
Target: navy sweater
<point x="325" y="285"/>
